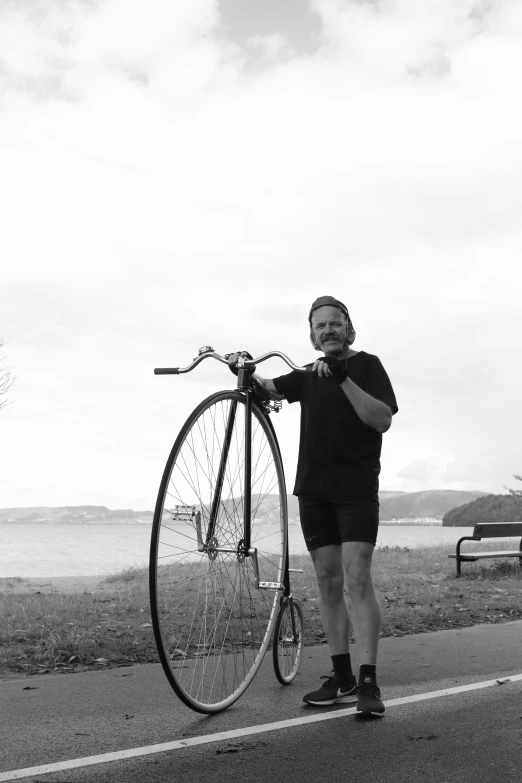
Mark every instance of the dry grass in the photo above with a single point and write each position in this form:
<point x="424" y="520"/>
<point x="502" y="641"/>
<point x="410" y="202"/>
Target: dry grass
<point x="64" y="631"/>
<point x="417" y="590"/>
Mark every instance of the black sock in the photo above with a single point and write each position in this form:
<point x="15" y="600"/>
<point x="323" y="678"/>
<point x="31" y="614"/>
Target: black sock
<point x="367" y="670"/>
<point x="343" y="666"/>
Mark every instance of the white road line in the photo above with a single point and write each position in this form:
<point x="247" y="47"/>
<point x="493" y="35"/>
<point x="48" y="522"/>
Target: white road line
<point x="122" y="755"/>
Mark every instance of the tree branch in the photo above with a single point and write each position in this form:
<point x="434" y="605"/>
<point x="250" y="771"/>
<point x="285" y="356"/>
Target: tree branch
<point x="6" y="381"/>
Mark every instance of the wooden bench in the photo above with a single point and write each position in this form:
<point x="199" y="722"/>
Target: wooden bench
<point x="490" y="530"/>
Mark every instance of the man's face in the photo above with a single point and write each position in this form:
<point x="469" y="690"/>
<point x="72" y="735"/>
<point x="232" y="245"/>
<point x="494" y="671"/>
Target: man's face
<point x="330" y="330"/>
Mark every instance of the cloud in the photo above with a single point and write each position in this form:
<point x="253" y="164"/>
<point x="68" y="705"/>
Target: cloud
<point x="290" y="199"/>
<point x="294" y="25"/>
<point x="420" y="470"/>
<point x="476" y="466"/>
<point x="81" y="49"/>
<point x="270" y="47"/>
<point x="283" y="313"/>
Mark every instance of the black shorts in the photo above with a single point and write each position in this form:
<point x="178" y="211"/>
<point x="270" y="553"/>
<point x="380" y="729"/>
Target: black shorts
<point x="326" y="522"/>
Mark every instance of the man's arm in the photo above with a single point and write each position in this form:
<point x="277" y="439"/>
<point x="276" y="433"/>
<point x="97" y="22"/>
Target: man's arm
<point x="266" y="383"/>
<point x="372" y="412"/>
<point x="269" y="386"/>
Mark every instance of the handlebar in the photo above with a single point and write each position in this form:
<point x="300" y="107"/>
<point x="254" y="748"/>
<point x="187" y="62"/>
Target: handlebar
<point x="208" y="353"/>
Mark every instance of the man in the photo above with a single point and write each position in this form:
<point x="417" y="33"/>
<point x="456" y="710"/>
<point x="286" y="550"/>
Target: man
<point x="347" y="403"/>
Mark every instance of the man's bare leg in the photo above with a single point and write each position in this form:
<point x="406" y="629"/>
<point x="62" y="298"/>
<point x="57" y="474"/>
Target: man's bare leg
<point x="328" y="562"/>
<point x="365" y="610"/>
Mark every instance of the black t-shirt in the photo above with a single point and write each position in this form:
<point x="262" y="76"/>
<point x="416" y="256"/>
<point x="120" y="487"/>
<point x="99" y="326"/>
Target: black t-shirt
<point x="339" y="455"/>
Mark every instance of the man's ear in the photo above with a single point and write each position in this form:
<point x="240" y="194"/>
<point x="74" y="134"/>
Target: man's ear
<point x="313" y="340"/>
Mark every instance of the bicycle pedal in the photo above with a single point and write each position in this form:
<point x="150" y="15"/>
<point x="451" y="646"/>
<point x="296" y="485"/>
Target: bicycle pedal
<point x="271" y="586"/>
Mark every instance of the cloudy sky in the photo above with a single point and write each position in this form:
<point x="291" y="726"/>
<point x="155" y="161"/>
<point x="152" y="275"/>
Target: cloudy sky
<point x="178" y="174"/>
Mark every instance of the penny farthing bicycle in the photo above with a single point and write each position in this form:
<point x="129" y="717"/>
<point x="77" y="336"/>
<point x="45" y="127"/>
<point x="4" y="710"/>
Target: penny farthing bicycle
<point x="219" y="578"/>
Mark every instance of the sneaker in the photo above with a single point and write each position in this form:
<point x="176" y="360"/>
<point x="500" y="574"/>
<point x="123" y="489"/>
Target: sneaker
<point x="369" y="702"/>
<point x="333" y="691"/>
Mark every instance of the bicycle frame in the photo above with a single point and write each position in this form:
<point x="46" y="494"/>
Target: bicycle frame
<point x="244" y="385"/>
<point x="244" y="548"/>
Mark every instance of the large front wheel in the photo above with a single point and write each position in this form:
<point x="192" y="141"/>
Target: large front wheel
<point x="212" y="622"/>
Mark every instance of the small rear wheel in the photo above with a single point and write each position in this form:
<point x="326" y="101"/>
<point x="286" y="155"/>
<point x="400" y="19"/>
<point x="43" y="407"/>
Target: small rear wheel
<point x="287" y="646"/>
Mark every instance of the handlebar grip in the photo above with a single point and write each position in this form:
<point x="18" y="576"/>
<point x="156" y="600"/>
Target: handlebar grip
<point x="166" y="371"/>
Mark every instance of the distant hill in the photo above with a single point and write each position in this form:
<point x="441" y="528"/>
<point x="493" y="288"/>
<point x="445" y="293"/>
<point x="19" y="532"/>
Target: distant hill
<point x="384" y="494"/>
<point x="73" y="515"/>
<point x="490" y="508"/>
<point x="432" y="503"/>
<point x="419" y="507"/>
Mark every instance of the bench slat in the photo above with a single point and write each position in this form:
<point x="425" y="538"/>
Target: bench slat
<point x="479" y="555"/>
<point x="497" y="529"/>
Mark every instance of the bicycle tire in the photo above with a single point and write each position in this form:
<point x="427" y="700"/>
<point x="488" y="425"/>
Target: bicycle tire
<point x="211" y="624"/>
<point x="287" y="648"/>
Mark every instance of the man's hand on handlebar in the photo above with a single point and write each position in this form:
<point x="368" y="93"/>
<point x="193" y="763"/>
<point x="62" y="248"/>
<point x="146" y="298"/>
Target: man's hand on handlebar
<point x="330" y="367"/>
<point x="232" y="361"/>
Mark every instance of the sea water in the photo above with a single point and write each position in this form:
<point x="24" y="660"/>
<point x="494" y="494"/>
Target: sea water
<point x="48" y="550"/>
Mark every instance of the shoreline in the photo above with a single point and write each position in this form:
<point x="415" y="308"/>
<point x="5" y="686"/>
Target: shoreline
<point x="18" y="585"/>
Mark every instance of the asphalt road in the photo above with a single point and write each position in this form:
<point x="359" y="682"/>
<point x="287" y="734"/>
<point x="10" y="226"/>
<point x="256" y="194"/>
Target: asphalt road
<point x="466" y="736"/>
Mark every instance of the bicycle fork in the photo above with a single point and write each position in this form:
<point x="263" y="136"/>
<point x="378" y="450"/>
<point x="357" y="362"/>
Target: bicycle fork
<point x="247" y="524"/>
<point x="210" y="544"/>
